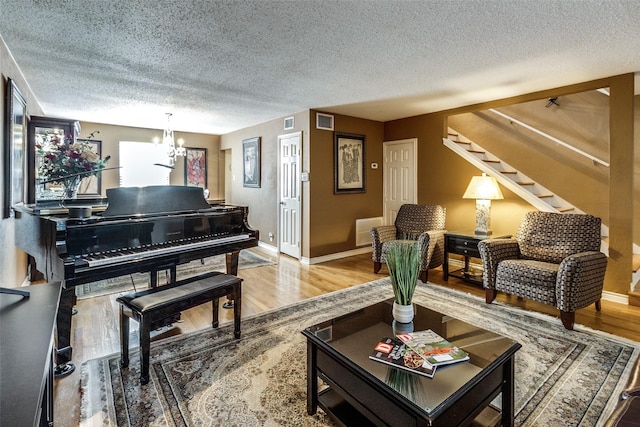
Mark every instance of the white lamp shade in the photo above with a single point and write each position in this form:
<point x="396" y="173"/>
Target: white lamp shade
<point x="483" y="187"/>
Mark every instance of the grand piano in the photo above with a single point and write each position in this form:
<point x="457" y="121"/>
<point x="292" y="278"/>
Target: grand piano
<point x="142" y="229"/>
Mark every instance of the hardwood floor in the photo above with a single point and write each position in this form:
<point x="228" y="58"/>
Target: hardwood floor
<point x="95" y="327"/>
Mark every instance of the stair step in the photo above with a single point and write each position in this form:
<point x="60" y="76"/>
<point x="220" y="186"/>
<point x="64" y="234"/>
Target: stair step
<point x="567" y="209"/>
<point x="491" y="161"/>
<point x="474" y="151"/>
<point x="544" y="196"/>
<point x="523" y="183"/>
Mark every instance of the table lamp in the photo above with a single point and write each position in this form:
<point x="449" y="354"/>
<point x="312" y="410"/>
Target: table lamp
<point x="484" y="189"/>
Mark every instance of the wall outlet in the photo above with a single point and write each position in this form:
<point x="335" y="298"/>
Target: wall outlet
<point x="270" y="237"/>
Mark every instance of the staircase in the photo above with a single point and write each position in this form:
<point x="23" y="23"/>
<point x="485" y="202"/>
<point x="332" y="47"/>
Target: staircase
<point x="537" y="195"/>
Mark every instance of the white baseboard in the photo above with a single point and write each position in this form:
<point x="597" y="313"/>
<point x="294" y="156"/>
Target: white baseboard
<point x="615" y="297"/>
<point x="331" y="257"/>
<point x="268" y="247"/>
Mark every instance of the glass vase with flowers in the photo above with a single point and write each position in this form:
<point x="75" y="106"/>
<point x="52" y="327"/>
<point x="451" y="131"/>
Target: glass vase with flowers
<point x="65" y="161"/>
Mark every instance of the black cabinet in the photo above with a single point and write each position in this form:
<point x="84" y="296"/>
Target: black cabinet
<point x="465" y="244"/>
<point x="26" y="352"/>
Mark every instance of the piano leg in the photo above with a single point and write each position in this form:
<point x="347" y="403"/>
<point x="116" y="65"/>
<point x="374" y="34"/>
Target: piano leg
<point x="153" y="274"/>
<point x="64" y="366"/>
<point x="232" y="268"/>
<point x="232" y="262"/>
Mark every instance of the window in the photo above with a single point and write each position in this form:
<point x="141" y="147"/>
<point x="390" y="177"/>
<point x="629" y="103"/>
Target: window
<point x="143" y="164"/>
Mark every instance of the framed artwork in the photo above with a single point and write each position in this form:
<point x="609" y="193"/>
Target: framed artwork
<point x="251" y="162"/>
<point x="349" y="159"/>
<point x="91" y="185"/>
<point x="15" y="148"/>
<point x="195" y="167"/>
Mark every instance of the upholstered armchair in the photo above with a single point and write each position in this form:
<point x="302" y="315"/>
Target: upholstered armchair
<point x="554" y="259"/>
<point x="424" y="223"/>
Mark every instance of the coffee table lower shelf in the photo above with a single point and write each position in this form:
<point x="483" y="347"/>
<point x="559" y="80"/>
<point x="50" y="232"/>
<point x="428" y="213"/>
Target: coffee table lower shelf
<point x="340" y="410"/>
<point x="345" y="415"/>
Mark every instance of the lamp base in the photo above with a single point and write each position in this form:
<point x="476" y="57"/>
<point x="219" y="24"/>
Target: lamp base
<point x="483" y="215"/>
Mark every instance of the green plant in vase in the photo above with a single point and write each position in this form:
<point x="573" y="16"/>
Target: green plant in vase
<point x="403" y="262"/>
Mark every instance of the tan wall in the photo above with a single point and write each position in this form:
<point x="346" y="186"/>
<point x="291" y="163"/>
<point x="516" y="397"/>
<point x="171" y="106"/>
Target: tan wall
<point x="333" y="216"/>
<point x="328" y="221"/>
<point x="443" y="177"/>
<point x="582" y="121"/>
<point x="262" y="202"/>
<point x="13" y="262"/>
<point x="111" y="136"/>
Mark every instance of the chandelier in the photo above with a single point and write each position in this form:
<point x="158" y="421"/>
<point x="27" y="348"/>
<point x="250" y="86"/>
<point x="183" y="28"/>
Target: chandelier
<point x="168" y="143"/>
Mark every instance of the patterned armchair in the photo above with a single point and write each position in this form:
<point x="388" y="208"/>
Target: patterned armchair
<point x="554" y="259"/>
<point x="424" y="223"/>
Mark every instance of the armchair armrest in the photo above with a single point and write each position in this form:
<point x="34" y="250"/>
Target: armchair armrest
<point x="492" y="251"/>
<point x="431" y="244"/>
<point x="379" y="235"/>
<point x="580" y="280"/>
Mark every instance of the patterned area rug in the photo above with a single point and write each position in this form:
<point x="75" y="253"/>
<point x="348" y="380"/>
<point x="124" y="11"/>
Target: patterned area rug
<point x="138" y="281"/>
<point x="207" y="378"/>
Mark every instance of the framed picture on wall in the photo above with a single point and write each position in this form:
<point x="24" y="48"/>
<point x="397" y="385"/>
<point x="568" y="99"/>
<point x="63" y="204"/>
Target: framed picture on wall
<point x="349" y="158"/>
<point x="91" y="185"/>
<point x="15" y="148"/>
<point x="251" y="162"/>
<point x="195" y="167"/>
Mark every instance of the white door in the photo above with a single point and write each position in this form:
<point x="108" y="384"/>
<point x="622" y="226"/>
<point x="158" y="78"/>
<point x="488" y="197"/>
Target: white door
<point x="290" y="227"/>
<point x="400" y="177"/>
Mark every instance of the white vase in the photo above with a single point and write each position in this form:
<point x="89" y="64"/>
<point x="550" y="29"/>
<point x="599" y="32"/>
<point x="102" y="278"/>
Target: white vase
<point x="402" y="313"/>
<point x="401" y="328"/>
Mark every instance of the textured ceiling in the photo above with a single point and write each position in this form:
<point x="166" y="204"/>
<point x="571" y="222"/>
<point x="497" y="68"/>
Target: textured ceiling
<point x="224" y="65"/>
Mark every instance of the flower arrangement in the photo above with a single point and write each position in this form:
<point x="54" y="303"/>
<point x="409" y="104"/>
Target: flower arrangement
<point x="64" y="159"/>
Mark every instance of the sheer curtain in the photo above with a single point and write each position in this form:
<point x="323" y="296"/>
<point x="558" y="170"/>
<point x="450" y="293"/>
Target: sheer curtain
<point x="141" y="164"/>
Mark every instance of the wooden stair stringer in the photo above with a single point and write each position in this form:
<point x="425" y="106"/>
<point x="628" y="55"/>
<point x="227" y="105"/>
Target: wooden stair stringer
<point x="525" y="187"/>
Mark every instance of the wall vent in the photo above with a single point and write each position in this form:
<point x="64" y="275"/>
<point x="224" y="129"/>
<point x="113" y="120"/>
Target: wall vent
<point x="324" y="121"/>
<point x="288" y="123"/>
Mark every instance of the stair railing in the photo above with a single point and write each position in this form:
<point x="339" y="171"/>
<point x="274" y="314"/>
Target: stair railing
<point x="552" y="138"/>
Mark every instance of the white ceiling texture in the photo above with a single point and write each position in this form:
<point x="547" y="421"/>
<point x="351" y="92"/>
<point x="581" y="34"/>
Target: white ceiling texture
<point x="223" y="65"/>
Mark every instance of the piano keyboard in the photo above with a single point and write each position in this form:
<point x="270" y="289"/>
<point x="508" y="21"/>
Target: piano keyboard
<point x="135" y="254"/>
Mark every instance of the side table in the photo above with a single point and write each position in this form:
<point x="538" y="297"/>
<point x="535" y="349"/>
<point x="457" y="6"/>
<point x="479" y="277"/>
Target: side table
<point x="464" y="243"/>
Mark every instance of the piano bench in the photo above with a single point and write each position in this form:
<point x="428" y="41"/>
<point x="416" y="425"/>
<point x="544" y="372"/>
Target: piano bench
<point x="151" y="306"/>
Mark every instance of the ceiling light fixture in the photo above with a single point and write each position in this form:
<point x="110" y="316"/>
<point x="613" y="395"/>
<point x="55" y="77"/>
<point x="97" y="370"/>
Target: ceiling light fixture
<point x="168" y="143"/>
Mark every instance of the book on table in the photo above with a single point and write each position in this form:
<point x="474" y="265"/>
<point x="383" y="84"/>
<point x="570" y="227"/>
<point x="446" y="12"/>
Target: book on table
<point x="433" y="348"/>
<point x="394" y="352"/>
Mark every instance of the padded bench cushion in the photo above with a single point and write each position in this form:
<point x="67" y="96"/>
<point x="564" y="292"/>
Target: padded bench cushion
<point x="156" y="298"/>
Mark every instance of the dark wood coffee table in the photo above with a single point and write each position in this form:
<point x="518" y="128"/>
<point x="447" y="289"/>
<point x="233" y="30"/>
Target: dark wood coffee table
<point x="361" y="392"/>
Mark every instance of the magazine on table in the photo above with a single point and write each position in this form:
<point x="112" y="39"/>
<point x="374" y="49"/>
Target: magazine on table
<point x="433" y="348"/>
<point x="394" y="352"/>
